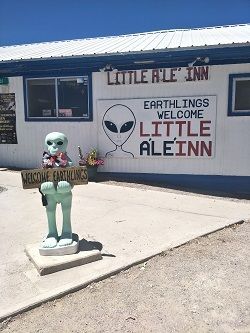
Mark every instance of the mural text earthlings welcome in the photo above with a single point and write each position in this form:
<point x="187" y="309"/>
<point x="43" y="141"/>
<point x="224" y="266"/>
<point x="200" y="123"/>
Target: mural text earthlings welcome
<point x="167" y="127"/>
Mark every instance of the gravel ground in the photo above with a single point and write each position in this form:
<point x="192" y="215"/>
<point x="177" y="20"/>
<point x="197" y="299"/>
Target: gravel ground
<point x="202" y="286"/>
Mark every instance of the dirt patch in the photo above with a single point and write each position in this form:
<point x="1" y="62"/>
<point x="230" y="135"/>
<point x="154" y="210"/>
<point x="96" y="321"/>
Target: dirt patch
<point x="2" y="189"/>
<point x="202" y="286"/>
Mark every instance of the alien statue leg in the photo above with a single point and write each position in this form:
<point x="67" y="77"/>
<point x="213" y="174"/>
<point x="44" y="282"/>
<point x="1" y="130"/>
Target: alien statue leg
<point x="66" y="201"/>
<point x="52" y="238"/>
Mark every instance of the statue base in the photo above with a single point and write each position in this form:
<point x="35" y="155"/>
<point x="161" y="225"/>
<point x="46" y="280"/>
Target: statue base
<point x="61" y="250"/>
<point x="47" y="264"/>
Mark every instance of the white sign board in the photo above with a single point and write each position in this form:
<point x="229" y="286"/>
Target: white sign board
<point x="167" y="127"/>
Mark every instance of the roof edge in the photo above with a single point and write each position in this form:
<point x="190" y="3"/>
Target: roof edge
<point x="128" y="35"/>
<point x="130" y="53"/>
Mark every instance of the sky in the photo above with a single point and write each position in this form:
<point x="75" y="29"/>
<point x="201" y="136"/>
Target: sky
<point x="31" y="21"/>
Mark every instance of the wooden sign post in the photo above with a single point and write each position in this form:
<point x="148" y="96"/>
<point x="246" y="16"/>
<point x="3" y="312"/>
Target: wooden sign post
<point x="73" y="175"/>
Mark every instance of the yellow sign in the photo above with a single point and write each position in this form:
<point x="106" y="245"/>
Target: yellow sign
<point x="73" y="175"/>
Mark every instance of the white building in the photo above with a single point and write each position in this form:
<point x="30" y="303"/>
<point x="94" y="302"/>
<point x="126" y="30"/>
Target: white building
<point x="171" y="106"/>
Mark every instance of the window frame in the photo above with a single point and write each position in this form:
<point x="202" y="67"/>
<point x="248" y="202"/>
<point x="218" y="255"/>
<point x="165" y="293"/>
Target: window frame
<point x="87" y="117"/>
<point x="233" y="78"/>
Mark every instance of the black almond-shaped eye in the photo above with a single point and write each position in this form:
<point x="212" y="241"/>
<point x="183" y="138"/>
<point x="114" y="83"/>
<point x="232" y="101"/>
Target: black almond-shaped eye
<point x="49" y="143"/>
<point x="60" y="143"/>
<point x="127" y="126"/>
<point x="111" y="126"/>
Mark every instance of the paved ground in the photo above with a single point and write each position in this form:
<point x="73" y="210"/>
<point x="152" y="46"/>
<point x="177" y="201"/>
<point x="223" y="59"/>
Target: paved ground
<point x="130" y="223"/>
<point x="200" y="287"/>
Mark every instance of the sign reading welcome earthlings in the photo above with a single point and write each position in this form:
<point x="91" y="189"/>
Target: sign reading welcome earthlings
<point x="73" y="175"/>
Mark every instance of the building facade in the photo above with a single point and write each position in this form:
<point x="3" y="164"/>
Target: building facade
<point x="154" y="105"/>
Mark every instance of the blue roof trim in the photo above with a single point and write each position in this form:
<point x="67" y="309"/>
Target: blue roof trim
<point x="217" y="56"/>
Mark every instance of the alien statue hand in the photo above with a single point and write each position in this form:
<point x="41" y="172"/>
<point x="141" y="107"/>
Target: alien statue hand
<point x="63" y="187"/>
<point x="48" y="188"/>
<point x="56" y="144"/>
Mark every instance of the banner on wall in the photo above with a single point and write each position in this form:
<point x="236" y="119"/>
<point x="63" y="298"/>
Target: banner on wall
<point x="8" y="119"/>
<point x="167" y="127"/>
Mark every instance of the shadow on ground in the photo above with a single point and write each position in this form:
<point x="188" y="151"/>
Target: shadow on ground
<point x="85" y="245"/>
<point x="126" y="181"/>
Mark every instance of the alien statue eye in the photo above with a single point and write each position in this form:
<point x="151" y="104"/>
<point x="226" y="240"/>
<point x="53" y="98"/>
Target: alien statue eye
<point x="127" y="126"/>
<point x="111" y="126"/>
<point x="60" y="143"/>
<point x="49" y="143"/>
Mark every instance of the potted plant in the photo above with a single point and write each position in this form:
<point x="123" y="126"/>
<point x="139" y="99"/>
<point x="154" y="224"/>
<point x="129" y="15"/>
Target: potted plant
<point x="91" y="161"/>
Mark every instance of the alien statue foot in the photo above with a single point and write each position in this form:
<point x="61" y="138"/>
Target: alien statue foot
<point x="65" y="239"/>
<point x="50" y="241"/>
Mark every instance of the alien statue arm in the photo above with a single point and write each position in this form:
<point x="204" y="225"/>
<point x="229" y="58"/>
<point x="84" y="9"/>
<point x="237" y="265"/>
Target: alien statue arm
<point x="56" y="144"/>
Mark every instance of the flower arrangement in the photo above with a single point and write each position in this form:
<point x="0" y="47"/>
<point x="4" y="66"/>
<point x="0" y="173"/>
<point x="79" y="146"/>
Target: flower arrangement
<point x="90" y="159"/>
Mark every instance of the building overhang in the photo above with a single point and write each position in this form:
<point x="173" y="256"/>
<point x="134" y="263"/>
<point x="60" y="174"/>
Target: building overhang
<point x="134" y="60"/>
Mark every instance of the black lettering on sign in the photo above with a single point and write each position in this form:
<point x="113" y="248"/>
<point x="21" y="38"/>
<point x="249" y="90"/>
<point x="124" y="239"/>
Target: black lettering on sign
<point x="74" y="175"/>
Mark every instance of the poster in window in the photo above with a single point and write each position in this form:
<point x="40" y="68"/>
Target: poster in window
<point x="8" y="119"/>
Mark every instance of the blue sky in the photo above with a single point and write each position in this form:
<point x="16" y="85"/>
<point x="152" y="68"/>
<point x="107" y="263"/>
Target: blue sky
<point x="29" y="21"/>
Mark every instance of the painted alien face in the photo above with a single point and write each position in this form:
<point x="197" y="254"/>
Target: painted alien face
<point x="118" y="123"/>
<point x="56" y="143"/>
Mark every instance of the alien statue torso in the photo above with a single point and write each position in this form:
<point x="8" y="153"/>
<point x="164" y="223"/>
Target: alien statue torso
<point x="60" y="193"/>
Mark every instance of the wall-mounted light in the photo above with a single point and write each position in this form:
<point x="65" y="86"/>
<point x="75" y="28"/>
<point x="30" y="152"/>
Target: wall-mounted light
<point x="108" y="68"/>
<point x="199" y="59"/>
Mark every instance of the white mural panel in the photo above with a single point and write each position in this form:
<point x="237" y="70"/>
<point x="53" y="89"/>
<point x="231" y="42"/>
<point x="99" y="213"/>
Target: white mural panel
<point x="166" y="127"/>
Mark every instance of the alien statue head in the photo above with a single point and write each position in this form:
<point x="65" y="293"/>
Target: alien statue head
<point x="56" y="143"/>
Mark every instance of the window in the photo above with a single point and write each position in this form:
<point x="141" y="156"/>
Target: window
<point x="239" y="95"/>
<point x="57" y="98"/>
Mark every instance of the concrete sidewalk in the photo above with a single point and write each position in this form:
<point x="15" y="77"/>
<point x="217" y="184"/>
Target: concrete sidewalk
<point x="131" y="224"/>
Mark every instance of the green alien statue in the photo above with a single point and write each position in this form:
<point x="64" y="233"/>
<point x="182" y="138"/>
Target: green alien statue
<point x="56" y="156"/>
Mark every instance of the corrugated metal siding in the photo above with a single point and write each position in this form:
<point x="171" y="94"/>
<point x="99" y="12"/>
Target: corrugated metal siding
<point x="149" y="41"/>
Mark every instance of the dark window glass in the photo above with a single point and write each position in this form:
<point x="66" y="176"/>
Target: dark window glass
<point x="242" y="95"/>
<point x="72" y="97"/>
<point x="58" y="97"/>
<point x="41" y="98"/>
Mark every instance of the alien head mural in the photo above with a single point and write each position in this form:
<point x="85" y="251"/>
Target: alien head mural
<point x="118" y="123"/>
